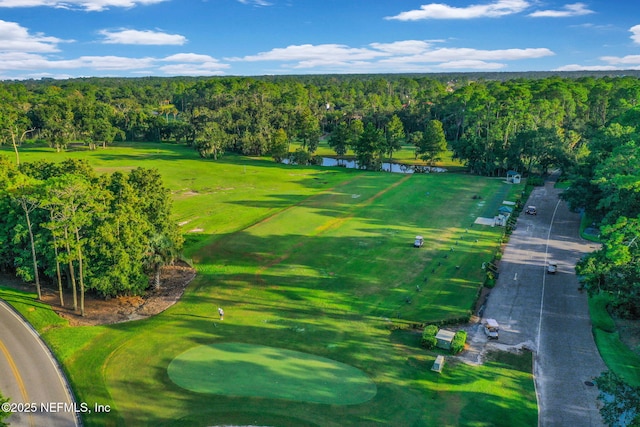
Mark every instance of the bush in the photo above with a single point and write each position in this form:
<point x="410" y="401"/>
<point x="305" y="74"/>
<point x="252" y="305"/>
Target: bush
<point x="459" y="339"/>
<point x="535" y="181"/>
<point x="299" y="157"/>
<point x="429" y="336"/>
<point x="490" y="280"/>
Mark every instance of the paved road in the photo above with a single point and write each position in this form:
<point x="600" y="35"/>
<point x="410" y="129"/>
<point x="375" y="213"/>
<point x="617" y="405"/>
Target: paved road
<point x="29" y="374"/>
<point x="547" y="313"/>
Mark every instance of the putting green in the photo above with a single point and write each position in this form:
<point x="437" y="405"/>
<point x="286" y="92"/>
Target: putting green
<point x="236" y="369"/>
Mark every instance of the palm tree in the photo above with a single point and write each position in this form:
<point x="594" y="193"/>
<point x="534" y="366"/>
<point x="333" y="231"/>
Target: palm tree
<point x="160" y="252"/>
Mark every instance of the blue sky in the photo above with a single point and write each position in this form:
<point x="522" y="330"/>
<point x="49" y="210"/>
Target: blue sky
<point x="133" y="38"/>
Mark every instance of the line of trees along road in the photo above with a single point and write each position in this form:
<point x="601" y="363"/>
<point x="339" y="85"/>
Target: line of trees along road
<point x="606" y="186"/>
<point x="492" y="126"/>
<point x="101" y="233"/>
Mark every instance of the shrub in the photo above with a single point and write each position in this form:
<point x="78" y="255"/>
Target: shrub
<point x="459" y="339"/>
<point x="490" y="280"/>
<point x="299" y="157"/>
<point x="429" y="336"/>
<point x="316" y="160"/>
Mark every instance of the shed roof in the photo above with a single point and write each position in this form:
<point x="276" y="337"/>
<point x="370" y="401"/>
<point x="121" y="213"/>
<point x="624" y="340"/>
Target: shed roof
<point x="445" y="335"/>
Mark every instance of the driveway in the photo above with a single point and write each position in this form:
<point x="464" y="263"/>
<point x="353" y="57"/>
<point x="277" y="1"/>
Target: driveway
<point x="31" y="378"/>
<point x="547" y="313"/>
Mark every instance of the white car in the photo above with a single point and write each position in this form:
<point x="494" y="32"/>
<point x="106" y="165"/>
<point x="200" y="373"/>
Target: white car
<point x="491" y="328"/>
<point x="531" y="210"/>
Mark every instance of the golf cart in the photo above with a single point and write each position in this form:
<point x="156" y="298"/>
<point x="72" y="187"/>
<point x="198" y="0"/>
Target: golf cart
<point x="418" y="242"/>
<point x="552" y="267"/>
<point x="491" y="328"/>
<point x="531" y="210"/>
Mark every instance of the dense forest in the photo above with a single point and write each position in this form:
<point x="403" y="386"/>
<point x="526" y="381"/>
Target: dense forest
<point x="490" y="125"/>
<point x="584" y="125"/>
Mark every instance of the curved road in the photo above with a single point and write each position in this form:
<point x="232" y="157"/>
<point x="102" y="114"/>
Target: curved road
<point x="29" y="375"/>
<point x="547" y="313"/>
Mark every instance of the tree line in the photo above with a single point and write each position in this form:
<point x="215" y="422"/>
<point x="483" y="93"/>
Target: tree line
<point x="490" y="125"/>
<point x="69" y="226"/>
<point x="605" y="186"/>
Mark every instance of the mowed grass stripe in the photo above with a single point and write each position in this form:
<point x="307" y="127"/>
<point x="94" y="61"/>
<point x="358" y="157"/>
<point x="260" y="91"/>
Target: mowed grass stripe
<point x="333" y="223"/>
<point x="361" y="247"/>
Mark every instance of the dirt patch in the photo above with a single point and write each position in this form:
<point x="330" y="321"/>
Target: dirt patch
<point x="98" y="311"/>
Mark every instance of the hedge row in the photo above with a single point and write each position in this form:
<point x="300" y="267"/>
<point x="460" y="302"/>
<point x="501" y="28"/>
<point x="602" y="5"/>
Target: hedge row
<point x="429" y="336"/>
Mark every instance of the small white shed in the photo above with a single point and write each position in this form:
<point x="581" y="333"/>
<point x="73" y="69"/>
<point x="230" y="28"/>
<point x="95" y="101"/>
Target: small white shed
<point x="444" y="339"/>
<point x="438" y="364"/>
<point x="513" y="177"/>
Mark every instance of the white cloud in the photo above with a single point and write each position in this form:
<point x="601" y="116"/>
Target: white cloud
<point x="39" y="64"/>
<point x="14" y="37"/>
<point x="443" y="11"/>
<point x="146" y="37"/>
<point x="459" y="54"/>
<point x="628" y="62"/>
<point x="110" y="62"/>
<point x="402" y="47"/>
<point x="193" y="64"/>
<point x="624" y="60"/>
<point x="205" y="69"/>
<point x="471" y="65"/>
<point x="577" y="67"/>
<point x="256" y="2"/>
<point x="189" y="57"/>
<point x="635" y="33"/>
<point x="308" y="52"/>
<point x="88" y="5"/>
<point x="575" y="9"/>
<point x="397" y="56"/>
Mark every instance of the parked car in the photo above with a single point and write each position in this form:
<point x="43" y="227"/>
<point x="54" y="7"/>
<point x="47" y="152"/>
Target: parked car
<point x="531" y="210"/>
<point x="418" y="242"/>
<point x="491" y="328"/>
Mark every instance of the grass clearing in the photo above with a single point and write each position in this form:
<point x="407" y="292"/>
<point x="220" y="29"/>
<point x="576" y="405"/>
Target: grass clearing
<point x="308" y="260"/>
<point x="618" y="357"/>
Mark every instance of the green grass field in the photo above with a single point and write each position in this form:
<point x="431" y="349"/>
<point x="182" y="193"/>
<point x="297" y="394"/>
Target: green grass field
<point x="618" y="357"/>
<point x="245" y="370"/>
<point x="319" y="264"/>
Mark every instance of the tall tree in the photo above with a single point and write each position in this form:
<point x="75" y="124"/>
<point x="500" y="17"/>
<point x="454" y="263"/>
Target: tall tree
<point x="394" y="136"/>
<point x="160" y="252"/>
<point x="308" y="128"/>
<point x="369" y="148"/>
<point x="339" y="139"/>
<point x="70" y="198"/>
<point x="432" y="144"/>
<point x="25" y="196"/>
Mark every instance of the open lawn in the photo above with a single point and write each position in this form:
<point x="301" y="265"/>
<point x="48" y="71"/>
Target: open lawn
<point x="314" y="266"/>
<point x="618" y="357"/>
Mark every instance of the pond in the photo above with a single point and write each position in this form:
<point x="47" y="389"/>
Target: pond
<point x="388" y="167"/>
